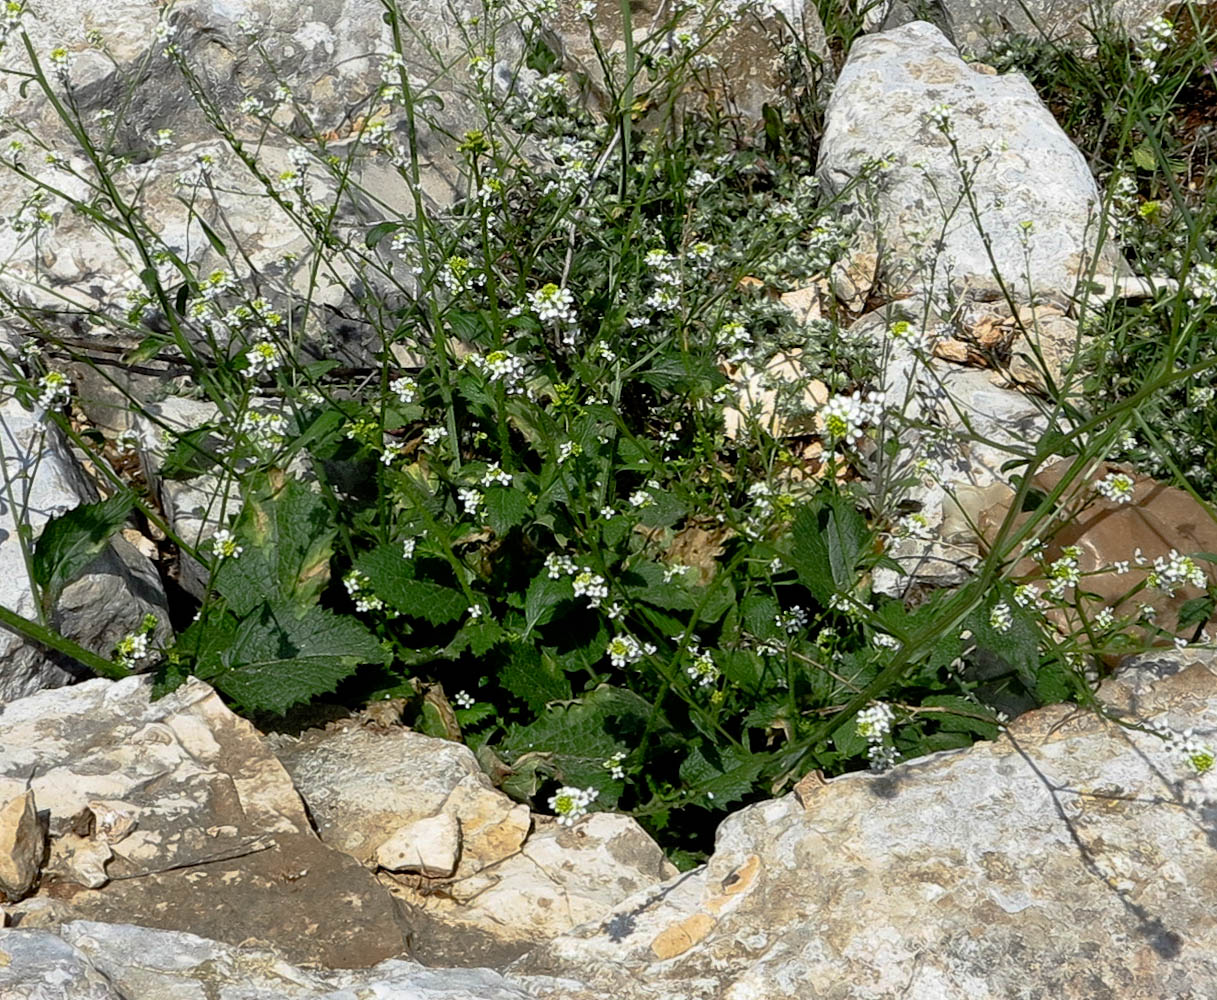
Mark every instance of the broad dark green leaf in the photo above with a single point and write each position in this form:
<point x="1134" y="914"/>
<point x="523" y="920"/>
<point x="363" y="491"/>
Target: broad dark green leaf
<point x="72" y="540"/>
<point x="828" y="539"/>
<point x="279" y="658"/>
<point x="715" y="779"/>
<point x="535" y="677"/>
<point x="505" y="508"/>
<point x="543" y="597"/>
<point x="393" y="582"/>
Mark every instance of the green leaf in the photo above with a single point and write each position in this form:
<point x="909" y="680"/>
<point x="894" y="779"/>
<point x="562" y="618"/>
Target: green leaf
<point x="1143" y="157"/>
<point x="217" y="244"/>
<point x="288" y="535"/>
<point x="505" y="508"/>
<point x="279" y="658"/>
<point x="715" y="780"/>
<point x="848" y="742"/>
<point x="72" y="540"/>
<point x="965" y="722"/>
<point x="378" y="232"/>
<point x="543" y="597"/>
<point x="393" y="581"/>
<point x="576" y="738"/>
<point x="534" y="677"/>
<point x="664" y="510"/>
<point x="828" y="538"/>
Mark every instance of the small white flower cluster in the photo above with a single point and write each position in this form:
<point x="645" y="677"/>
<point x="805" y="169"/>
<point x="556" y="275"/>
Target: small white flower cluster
<point x="874" y="724"/>
<point x="553" y="305"/>
<point x="570" y="804"/>
<point x="261" y="429"/>
<point x="572" y="172"/>
<point x="885" y="641"/>
<point x="666" y="295"/>
<point x="558" y="564"/>
<point x="615" y="766"/>
<point x="464" y="699"/>
<point x="702" y="670"/>
<point x="504" y="368"/>
<point x="404" y="388"/>
<point x="458" y="273"/>
<point x="793" y="621"/>
<point x="471" y="500"/>
<point x="1064" y="572"/>
<point x="1158" y="34"/>
<point x="643" y="497"/>
<point x="1173" y="571"/>
<point x="1202" y="284"/>
<point x="1197" y="755"/>
<point x="624" y="650"/>
<point x="131" y="648"/>
<point x="54" y="389"/>
<point x="590" y="585"/>
<point x="495" y="476"/>
<point x="846" y="416"/>
<point x="224" y="546"/>
<point x="1116" y="487"/>
<point x="434" y="435"/>
<point x="1001" y="618"/>
<point x="358" y="586"/>
<point x="914" y="525"/>
<point x="407" y="547"/>
<point x="263" y="357"/>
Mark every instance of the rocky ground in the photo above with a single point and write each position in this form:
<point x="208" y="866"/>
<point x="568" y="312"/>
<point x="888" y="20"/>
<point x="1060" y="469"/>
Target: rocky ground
<point x="166" y="849"/>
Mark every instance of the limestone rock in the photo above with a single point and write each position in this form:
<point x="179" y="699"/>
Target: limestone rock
<point x="173" y="814"/>
<point x="88" y="960"/>
<point x="887" y="105"/>
<point x="1065" y="859"/>
<point x="109" y="600"/>
<point x="979" y="25"/>
<point x="430" y="847"/>
<point x="742" y="59"/>
<point x="362" y="785"/>
<point x="559" y="878"/>
<point x="21" y="840"/>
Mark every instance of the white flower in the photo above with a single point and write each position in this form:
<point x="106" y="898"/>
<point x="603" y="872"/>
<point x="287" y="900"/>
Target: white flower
<point x="224" y="546"/>
<point x="1173" y="571"/>
<point x="54" y="389"/>
<point x="792" y="621"/>
<point x="407" y="547"/>
<point x="702" y="670"/>
<point x="358" y="586"/>
<point x="615" y="765"/>
<point x="1001" y="618"/>
<point x="471" y="500"/>
<point x="844" y="417"/>
<point x="624" y="650"/>
<point x="463" y="699"/>
<point x="433" y="435"/>
<point x="264" y="356"/>
<point x="556" y="565"/>
<point x="404" y="388"/>
<point x="590" y="585"/>
<point x="1116" y="487"/>
<point x="475" y="611"/>
<point x="495" y="475"/>
<point x="570" y="804"/>
<point x="553" y="305"/>
<point x="874" y="723"/>
<point x="131" y="648"/>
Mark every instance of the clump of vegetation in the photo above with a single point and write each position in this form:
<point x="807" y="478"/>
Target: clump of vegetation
<point x="537" y="509"/>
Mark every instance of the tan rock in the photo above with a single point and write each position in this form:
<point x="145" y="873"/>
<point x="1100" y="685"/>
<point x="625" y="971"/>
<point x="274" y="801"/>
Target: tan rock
<point x="493" y="827"/>
<point x="429" y="847"/>
<point x="760" y="393"/>
<point x="22" y="841"/>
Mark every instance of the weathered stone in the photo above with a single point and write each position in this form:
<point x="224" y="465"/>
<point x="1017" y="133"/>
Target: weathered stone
<point x="178" y="816"/>
<point x="429" y="847"/>
<point x="887" y="105"/>
<point x="493" y="827"/>
<point x="559" y="878"/>
<point x="980" y="25"/>
<point x="742" y="61"/>
<point x="780" y="398"/>
<point x="1155" y="521"/>
<point x="98" y="961"/>
<point x="1069" y="858"/>
<point x="111" y="597"/>
<point x="22" y="842"/>
<point x="363" y="784"/>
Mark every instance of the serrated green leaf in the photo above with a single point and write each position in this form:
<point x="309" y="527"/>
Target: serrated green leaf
<point x="716" y="779"/>
<point x="393" y="581"/>
<point x="543" y="598"/>
<point x="965" y="721"/>
<point x="577" y="738"/>
<point x="828" y="539"/>
<point x="535" y="677"/>
<point x="279" y="658"/>
<point x="287" y="534"/>
<point x="664" y="510"/>
<point x="505" y="508"/>
<point x="70" y="541"/>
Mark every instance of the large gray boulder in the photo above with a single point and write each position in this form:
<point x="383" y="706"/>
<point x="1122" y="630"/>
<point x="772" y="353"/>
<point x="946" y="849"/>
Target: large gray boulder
<point x="908" y="120"/>
<point x="1068" y="858"/>
<point x="978" y="25"/>
<point x="41" y="479"/>
<point x="96" y="961"/>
